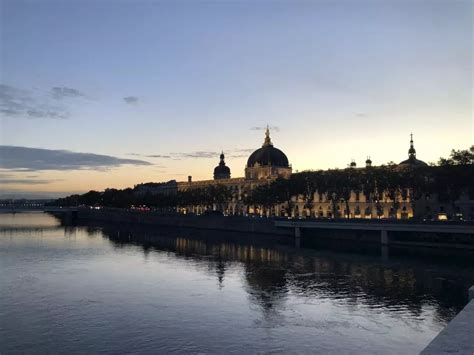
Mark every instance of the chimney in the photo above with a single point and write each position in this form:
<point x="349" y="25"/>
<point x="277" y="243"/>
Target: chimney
<point x="190" y="178"/>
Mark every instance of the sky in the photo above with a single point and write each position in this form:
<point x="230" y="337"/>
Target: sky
<point x="98" y="94"/>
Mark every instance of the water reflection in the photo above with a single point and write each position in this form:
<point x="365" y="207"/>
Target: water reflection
<point x="113" y="289"/>
<point x="272" y="272"/>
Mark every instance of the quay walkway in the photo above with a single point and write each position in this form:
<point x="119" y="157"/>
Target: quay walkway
<point x="384" y="227"/>
<point x="458" y="336"/>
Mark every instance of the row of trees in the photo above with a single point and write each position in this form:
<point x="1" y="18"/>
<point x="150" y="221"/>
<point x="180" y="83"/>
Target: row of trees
<point x="449" y="179"/>
<point x="377" y="184"/>
<point x="209" y="196"/>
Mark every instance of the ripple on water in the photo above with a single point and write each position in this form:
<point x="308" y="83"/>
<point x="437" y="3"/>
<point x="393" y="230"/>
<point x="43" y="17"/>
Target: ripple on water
<point x="96" y="292"/>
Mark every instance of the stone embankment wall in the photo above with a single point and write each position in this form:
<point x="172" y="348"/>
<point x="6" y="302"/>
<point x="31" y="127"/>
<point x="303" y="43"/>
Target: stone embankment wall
<point x="228" y="223"/>
<point x="458" y="336"/>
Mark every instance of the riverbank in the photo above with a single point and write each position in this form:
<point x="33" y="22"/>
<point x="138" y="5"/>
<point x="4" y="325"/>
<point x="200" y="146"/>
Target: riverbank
<point x="378" y="234"/>
<point x="229" y="223"/>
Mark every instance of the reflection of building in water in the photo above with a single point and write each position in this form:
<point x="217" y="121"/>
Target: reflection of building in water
<point x="236" y="252"/>
<point x="268" y="163"/>
<point x="270" y="274"/>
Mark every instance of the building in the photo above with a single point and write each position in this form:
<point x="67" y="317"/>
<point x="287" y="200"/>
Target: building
<point x="264" y="165"/>
<point x="268" y="163"/>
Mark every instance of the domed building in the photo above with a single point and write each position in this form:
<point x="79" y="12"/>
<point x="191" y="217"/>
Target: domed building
<point x="412" y="162"/>
<point x="267" y="162"/>
<point x="221" y="171"/>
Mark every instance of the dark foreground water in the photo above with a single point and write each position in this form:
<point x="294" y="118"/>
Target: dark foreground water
<point x="111" y="290"/>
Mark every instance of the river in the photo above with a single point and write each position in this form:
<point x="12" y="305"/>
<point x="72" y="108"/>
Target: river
<point x="111" y="289"/>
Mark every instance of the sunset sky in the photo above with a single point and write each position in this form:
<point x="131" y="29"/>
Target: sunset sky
<point x="154" y="90"/>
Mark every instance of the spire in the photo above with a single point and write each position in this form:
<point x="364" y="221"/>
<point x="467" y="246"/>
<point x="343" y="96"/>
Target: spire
<point x="411" y="151"/>
<point x="222" y="162"/>
<point x="267" y="137"/>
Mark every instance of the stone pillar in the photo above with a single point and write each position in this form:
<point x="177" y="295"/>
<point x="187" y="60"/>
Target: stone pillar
<point x="297" y="232"/>
<point x="384" y="237"/>
<point x="297" y="237"/>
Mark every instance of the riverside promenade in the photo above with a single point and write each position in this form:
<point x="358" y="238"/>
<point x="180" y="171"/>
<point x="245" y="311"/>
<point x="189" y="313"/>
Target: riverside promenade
<point x="385" y="233"/>
<point x="458" y="336"/>
<point x="422" y="234"/>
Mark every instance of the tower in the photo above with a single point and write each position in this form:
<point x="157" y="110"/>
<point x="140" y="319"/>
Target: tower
<point x="221" y="171"/>
<point x="412" y="161"/>
<point x="411" y="151"/>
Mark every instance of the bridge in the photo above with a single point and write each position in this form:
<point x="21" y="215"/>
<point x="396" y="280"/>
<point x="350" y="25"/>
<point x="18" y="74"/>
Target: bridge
<point x="24" y="209"/>
<point x="383" y="227"/>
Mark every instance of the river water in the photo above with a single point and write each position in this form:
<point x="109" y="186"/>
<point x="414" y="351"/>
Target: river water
<point x="110" y="289"/>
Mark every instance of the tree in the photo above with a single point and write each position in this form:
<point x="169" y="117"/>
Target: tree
<point x="459" y="157"/>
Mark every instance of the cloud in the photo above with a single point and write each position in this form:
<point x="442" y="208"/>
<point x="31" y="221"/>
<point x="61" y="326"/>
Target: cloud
<point x="150" y="155"/>
<point x="180" y="155"/>
<point x="47" y="114"/>
<point x="16" y="102"/>
<point x="158" y="156"/>
<point x="200" y="154"/>
<point x="9" y="193"/>
<point x="63" y="92"/>
<point x="272" y="128"/>
<point x="24" y="182"/>
<point x="12" y="179"/>
<point x="26" y="159"/>
<point x="196" y="154"/>
<point x="239" y="153"/>
<point x="131" y="99"/>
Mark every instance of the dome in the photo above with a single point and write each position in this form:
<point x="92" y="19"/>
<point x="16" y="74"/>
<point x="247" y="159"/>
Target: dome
<point x="412" y="162"/>
<point x="368" y="162"/>
<point x="221" y="171"/>
<point x="268" y="155"/>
